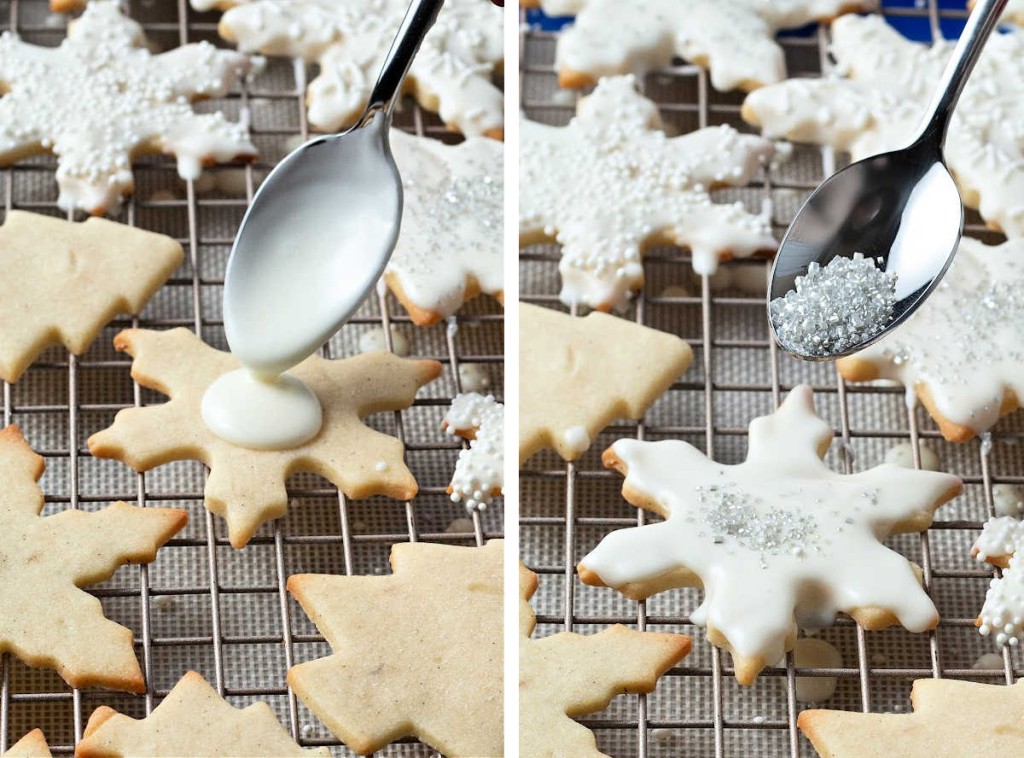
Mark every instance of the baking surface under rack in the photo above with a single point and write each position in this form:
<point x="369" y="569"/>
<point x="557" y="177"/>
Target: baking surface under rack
<point x="737" y="374"/>
<point x="202" y="604"/>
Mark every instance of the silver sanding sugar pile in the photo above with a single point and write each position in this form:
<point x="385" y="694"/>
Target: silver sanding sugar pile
<point x="834" y="308"/>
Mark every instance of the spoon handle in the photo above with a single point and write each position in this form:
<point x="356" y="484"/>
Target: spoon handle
<point x="417" y="22"/>
<point x="968" y="49"/>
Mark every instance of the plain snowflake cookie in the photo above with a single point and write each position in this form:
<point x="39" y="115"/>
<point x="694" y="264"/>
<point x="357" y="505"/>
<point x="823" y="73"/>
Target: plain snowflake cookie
<point x="46" y="619"/>
<point x="101" y="98"/>
<point x="247" y="487"/>
<point x="479" y="470"/>
<point x="733" y="39"/>
<point x="450" y="75"/>
<point x="418" y="653"/>
<point x="776" y="542"/>
<point x="876" y="103"/>
<point x="612" y="183"/>
<point x="962" y="352"/>
<point x="578" y="374"/>
<point x="63" y="281"/>
<point x="568" y="675"/>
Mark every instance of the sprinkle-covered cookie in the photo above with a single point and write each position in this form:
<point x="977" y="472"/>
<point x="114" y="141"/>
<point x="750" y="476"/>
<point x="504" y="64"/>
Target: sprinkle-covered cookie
<point x="62" y="282"/>
<point x="245" y="486"/>
<point x="418" y="653"/>
<point x="877" y="103"/>
<point x="101" y="98"/>
<point x="734" y="40"/>
<point x="577" y="375"/>
<point x="776" y="542"/>
<point x="479" y="475"/>
<point x="612" y="183"/>
<point x="451" y="73"/>
<point x="1001" y="543"/>
<point x="45" y="618"/>
<point x="193" y="721"/>
<point x="449" y="249"/>
<point x="962" y="352"/>
<point x="568" y="675"/>
<point x="32" y="745"/>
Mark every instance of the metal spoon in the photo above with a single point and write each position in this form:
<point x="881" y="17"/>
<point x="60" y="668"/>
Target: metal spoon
<point x="902" y="207"/>
<point x="321" y="228"/>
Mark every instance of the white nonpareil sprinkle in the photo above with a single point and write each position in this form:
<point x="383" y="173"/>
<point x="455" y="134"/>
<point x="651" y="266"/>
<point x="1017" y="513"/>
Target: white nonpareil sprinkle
<point x="835" y="308"/>
<point x="479" y="472"/>
<point x="1002" y="615"/>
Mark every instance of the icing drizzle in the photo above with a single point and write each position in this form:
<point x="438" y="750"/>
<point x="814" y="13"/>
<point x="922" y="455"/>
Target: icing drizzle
<point x="479" y="472"/>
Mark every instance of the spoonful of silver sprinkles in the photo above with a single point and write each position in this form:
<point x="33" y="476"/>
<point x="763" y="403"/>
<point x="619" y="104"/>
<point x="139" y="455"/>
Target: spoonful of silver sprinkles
<point x="874" y="239"/>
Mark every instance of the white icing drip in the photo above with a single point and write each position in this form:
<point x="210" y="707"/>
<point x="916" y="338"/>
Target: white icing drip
<point x="1008" y="500"/>
<point x="1002" y="615"/>
<point x="903" y="455"/>
<point x="474" y="377"/>
<point x="479" y="471"/>
<point x="101" y="97"/>
<point x="988" y="662"/>
<point x="376" y="339"/>
<point x="611" y="181"/>
<point x="827" y="557"/>
<point x="576" y="439"/>
<point x="452" y="70"/>
<point x="814" y="653"/>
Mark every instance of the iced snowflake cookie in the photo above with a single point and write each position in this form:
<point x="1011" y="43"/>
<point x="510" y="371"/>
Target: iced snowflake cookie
<point x="479" y="474"/>
<point x="62" y="281"/>
<point x="1001" y="543"/>
<point x="247" y="487"/>
<point x="962" y="352"/>
<point x="193" y="720"/>
<point x="612" y="183"/>
<point x="45" y="618"/>
<point x="420" y="656"/>
<point x="877" y="106"/>
<point x="778" y="541"/>
<point x="32" y="745"/>
<point x="451" y="73"/>
<point x="568" y="675"/>
<point x="101" y="98"/>
<point x="734" y="40"/>
<point x="449" y="249"/>
<point x="950" y="718"/>
<point x="580" y="374"/>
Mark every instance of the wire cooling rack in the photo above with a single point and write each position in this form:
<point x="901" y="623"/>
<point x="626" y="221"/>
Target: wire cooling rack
<point x="202" y="604"/>
<point x="737" y="374"/>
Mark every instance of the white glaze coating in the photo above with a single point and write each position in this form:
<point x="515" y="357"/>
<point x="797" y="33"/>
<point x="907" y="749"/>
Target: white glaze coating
<point x="451" y="222"/>
<point x="451" y="74"/>
<point x="375" y="339"/>
<point x="811" y="653"/>
<point x="903" y="455"/>
<point x="877" y="107"/>
<point x="576" y="439"/>
<point x="964" y="344"/>
<point x="611" y="181"/>
<point x="779" y="540"/>
<point x="101" y="97"/>
<point x="474" y="377"/>
<point x="734" y="39"/>
<point x="1002" y="615"/>
<point x="479" y="472"/>
<point x="1008" y="500"/>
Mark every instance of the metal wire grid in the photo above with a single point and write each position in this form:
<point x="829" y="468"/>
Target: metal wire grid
<point x="738" y="373"/>
<point x="202" y="604"/>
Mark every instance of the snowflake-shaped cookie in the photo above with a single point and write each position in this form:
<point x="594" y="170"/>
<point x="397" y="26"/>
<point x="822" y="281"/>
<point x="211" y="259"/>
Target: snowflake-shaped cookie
<point x="247" y="487"/>
<point x="612" y="183"/>
<point x="580" y="374"/>
<point x="451" y="73"/>
<point x="962" y="352"/>
<point x="878" y="104"/>
<point x="777" y="541"/>
<point x="449" y="249"/>
<point x="45" y="618"/>
<point x="193" y="720"/>
<point x="32" y="745"/>
<point x="479" y="474"/>
<point x="102" y="97"/>
<point x="950" y="718"/>
<point x="62" y="282"/>
<point x="734" y="39"/>
<point x="1001" y="543"/>
<point x="418" y="653"/>
<point x="568" y="675"/>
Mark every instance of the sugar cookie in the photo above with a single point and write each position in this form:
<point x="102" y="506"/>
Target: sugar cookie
<point x="568" y="675"/>
<point x="32" y="745"/>
<point x="479" y="476"/>
<point x="192" y="721"/>
<point x="101" y="98"/>
<point x="777" y="541"/>
<point x="247" y="487"/>
<point x="612" y="183"/>
<point x="580" y="374"/>
<point x="421" y="657"/>
<point x="62" y="281"/>
<point x="1001" y="543"/>
<point x="45" y="618"/>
